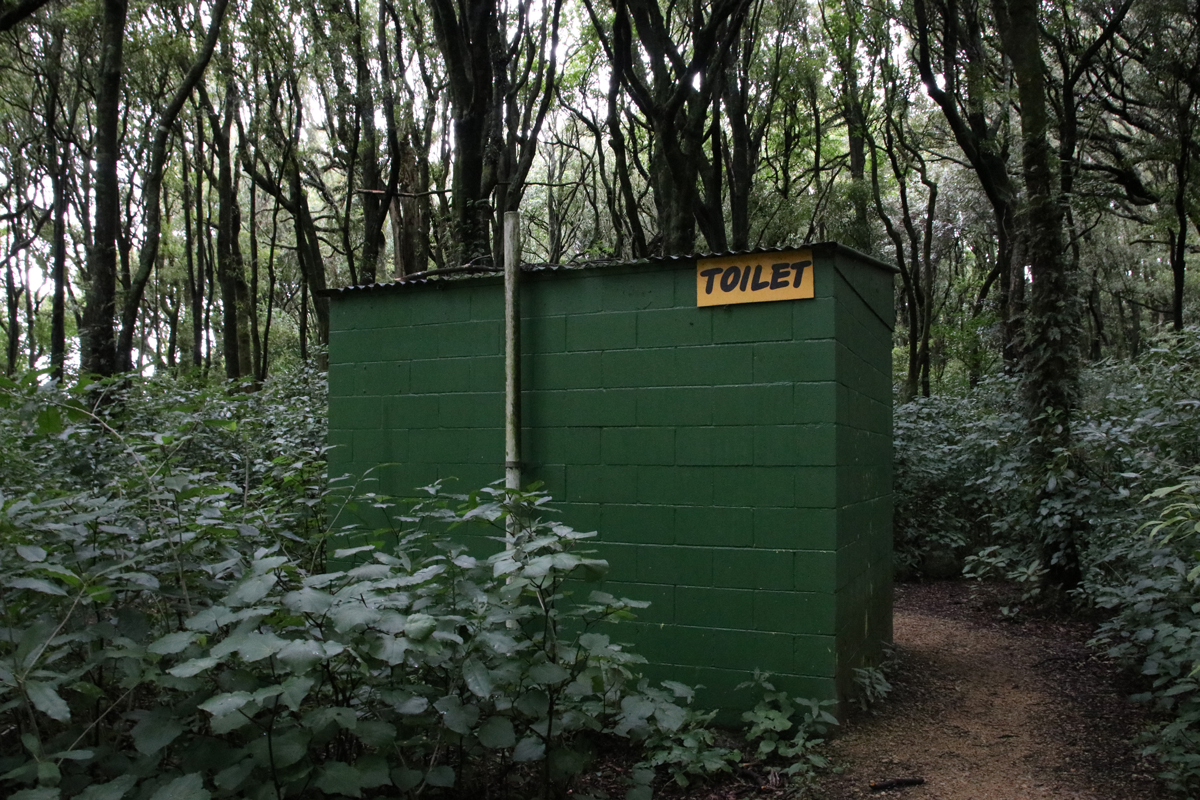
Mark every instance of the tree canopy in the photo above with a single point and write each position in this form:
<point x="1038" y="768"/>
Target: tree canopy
<point x="181" y="181"/>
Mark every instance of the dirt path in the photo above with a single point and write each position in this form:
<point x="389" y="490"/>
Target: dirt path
<point x="988" y="709"/>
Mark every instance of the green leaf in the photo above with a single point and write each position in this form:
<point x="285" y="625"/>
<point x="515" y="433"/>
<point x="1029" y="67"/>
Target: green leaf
<point x="48" y="773"/>
<point x="456" y="716"/>
<point x="219" y="616"/>
<point x="281" y="749"/>
<point x="375" y="733"/>
<point x="113" y="790"/>
<point x="40" y="793"/>
<point x="301" y="655"/>
<point x="322" y="718"/>
<point x="534" y="703"/>
<point x="34" y="642"/>
<point x="594" y="643"/>
<point x="49" y="421"/>
<point x="308" y="601"/>
<point x="440" y="776"/>
<point x="409" y="706"/>
<point x="348" y="616"/>
<point x="406" y="779"/>
<point x="391" y="649"/>
<point x="346" y="552"/>
<point x="37" y="585"/>
<point x="266" y="693"/>
<point x="531" y="748"/>
<point x="59" y="571"/>
<point x="548" y="673"/>
<point x="250" y="645"/>
<point x="337" y="777"/>
<point x="591" y="570"/>
<point x="419" y="627"/>
<point x="680" y="690"/>
<point x="232" y="777"/>
<point x="45" y="699"/>
<point x="186" y="787"/>
<point x="372" y="771"/>
<point x="478" y="679"/>
<point x="497" y="732"/>
<point x="501" y="643"/>
<point x="195" y="666"/>
<point x="155" y="731"/>
<point x="73" y="755"/>
<point x="252" y="589"/>
<point x="222" y="725"/>
<point x="31" y="552"/>
<point x="539" y="567"/>
<point x="172" y="643"/>
<point x="260" y="645"/>
<point x="670" y="716"/>
<point x="225" y="703"/>
<point x="295" y="689"/>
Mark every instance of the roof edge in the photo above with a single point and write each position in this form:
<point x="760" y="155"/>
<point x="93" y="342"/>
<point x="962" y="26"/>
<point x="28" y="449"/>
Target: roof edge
<point x="442" y="276"/>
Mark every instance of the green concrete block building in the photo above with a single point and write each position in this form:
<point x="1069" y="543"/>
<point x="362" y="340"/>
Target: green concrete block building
<point x="736" y="457"/>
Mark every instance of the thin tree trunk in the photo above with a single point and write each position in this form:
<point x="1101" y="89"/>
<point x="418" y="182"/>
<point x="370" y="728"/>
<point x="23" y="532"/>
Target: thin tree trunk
<point x="252" y="305"/>
<point x="99" y="356"/>
<point x="12" y="294"/>
<point x="58" y="258"/>
<point x="266" y="336"/>
<point x="194" y="251"/>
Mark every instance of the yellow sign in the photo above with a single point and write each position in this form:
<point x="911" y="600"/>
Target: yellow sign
<point x="786" y="275"/>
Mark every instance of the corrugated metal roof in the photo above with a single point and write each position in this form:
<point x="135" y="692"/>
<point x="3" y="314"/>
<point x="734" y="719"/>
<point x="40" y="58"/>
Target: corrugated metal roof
<point x="467" y="272"/>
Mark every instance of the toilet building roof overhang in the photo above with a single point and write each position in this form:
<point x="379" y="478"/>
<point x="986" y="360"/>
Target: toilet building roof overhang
<point x="820" y="249"/>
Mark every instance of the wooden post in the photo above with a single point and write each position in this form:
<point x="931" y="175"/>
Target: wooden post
<point x="512" y="355"/>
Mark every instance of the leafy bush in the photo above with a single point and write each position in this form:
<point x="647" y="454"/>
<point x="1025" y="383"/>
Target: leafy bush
<point x="964" y="474"/>
<point x="1156" y="629"/>
<point x="174" y="624"/>
<point x="953" y="457"/>
<point x="787" y="729"/>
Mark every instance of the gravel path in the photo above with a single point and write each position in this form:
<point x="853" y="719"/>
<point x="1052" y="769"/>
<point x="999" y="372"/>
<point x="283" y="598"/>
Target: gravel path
<point x="990" y="709"/>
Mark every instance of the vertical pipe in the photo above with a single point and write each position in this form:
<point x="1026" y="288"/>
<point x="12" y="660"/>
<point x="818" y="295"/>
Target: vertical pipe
<point x="512" y="354"/>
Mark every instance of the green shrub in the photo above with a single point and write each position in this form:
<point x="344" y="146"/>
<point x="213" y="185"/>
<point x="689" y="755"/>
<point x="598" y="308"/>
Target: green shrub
<point x="787" y="729"/>
<point x="1155" y="629"/>
<point x="964" y="478"/>
<point x="186" y="613"/>
<point x="954" y="456"/>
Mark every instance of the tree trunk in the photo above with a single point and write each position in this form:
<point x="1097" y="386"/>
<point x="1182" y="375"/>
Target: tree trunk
<point x="1178" y="240"/>
<point x="252" y="302"/>
<point x="12" y="295"/>
<point x="58" y="259"/>
<point x="1052" y="330"/>
<point x="466" y="36"/>
<point x="99" y="351"/>
<point x="194" y="250"/>
<point x="228" y="228"/>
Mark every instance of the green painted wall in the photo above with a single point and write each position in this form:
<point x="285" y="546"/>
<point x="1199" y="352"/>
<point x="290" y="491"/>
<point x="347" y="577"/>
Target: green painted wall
<point x="736" y="460"/>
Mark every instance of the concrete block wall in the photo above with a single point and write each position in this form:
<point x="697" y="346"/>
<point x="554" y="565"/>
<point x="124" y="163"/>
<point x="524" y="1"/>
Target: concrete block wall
<point x="735" y="460"/>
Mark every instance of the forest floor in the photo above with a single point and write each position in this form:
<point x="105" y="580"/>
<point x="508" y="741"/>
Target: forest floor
<point x="984" y="707"/>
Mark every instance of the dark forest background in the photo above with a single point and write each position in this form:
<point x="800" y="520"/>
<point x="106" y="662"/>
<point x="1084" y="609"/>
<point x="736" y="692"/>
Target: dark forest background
<point x="181" y="182"/>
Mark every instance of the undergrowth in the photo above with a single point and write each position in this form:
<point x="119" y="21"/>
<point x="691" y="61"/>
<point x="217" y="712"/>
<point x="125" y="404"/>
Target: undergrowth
<point x="1128" y="484"/>
<point x="189" y="609"/>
